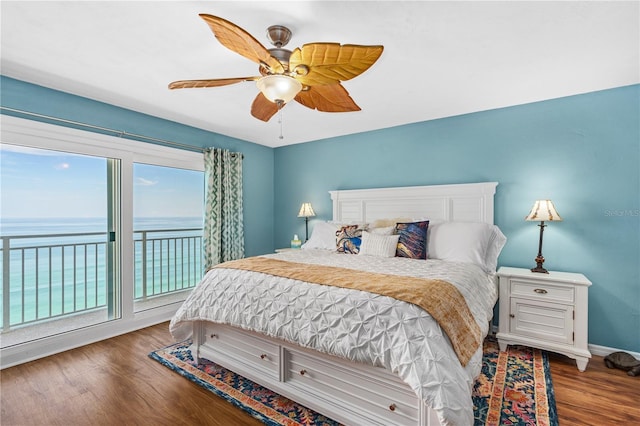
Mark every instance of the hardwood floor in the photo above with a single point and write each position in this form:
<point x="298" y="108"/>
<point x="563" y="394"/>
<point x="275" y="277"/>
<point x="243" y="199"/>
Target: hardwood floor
<point x="115" y="382"/>
<point x="112" y="382"/>
<point x="599" y="396"/>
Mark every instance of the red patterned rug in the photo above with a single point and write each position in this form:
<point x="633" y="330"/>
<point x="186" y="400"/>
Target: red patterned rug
<point x="514" y="388"/>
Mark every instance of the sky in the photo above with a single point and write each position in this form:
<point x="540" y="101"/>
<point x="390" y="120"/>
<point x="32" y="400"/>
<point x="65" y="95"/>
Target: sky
<point x="38" y="183"/>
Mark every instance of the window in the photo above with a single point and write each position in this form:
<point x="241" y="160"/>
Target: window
<point x="101" y="272"/>
<point x="167" y="236"/>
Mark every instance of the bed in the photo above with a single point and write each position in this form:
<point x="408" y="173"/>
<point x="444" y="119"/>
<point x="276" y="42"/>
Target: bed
<point x="359" y="357"/>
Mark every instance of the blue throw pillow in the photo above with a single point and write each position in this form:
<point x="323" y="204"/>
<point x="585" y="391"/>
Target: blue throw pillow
<point x="413" y="239"/>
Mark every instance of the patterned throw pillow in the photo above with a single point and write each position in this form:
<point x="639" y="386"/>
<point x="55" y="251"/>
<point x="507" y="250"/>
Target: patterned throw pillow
<point x="413" y="239"/>
<point x="348" y="239"/>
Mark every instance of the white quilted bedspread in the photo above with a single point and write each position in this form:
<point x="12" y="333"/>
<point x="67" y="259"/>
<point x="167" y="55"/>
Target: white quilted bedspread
<point x="353" y="324"/>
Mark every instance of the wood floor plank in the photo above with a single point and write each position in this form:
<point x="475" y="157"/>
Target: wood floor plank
<point x="107" y="383"/>
<point x="599" y="396"/>
<point x="115" y="382"/>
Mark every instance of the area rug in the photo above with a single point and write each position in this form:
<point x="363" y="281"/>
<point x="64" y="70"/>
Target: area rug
<point x="514" y="388"/>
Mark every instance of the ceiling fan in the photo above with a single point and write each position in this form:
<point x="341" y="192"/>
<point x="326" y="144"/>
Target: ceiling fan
<point x="311" y="74"/>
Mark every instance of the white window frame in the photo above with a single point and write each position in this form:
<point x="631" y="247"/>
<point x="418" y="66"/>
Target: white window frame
<point x="29" y="133"/>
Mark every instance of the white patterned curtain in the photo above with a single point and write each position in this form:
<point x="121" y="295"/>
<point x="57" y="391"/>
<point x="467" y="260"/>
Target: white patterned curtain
<point x="223" y="228"/>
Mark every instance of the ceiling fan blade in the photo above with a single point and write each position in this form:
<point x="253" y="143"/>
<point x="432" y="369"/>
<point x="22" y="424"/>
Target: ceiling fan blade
<point x="329" y="63"/>
<point x="327" y="98"/>
<point x="216" y="82"/>
<point x="235" y="38"/>
<point x="262" y="108"/>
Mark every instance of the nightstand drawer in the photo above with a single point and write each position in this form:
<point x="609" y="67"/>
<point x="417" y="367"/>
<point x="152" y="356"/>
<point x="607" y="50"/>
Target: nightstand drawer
<point x="542" y="291"/>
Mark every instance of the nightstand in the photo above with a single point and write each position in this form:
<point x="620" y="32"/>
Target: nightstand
<point x="282" y="250"/>
<point x="545" y="311"/>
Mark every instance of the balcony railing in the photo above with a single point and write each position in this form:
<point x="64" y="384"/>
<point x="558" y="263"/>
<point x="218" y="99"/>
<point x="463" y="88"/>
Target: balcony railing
<point x="53" y="275"/>
<point x="167" y="261"/>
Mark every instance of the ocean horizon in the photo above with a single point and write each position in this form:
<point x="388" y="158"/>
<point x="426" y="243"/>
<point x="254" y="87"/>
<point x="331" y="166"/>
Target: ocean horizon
<point x="42" y="226"/>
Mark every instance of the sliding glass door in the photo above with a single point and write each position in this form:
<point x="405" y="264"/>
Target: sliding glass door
<point x="99" y="236"/>
<point x="59" y="226"/>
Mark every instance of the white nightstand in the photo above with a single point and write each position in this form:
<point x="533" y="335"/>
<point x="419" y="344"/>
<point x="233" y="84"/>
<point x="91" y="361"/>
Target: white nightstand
<point x="282" y="250"/>
<point x="546" y="311"/>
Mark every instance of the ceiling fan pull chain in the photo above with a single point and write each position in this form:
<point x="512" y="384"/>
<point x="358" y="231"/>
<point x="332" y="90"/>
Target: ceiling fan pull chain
<point x="280" y="121"/>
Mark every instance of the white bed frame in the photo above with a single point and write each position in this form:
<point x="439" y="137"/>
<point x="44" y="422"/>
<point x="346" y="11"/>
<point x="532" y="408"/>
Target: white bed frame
<point x="349" y="392"/>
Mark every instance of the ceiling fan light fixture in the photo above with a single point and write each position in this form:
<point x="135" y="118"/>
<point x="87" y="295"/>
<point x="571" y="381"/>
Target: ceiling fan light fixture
<point x="279" y="87"/>
<point x="311" y="74"/>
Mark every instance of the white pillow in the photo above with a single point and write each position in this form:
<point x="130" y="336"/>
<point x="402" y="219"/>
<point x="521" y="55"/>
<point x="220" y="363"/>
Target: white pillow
<point x="378" y="244"/>
<point x="385" y="230"/>
<point x="383" y="223"/>
<point x="471" y="242"/>
<point x="323" y="236"/>
<point x="339" y="224"/>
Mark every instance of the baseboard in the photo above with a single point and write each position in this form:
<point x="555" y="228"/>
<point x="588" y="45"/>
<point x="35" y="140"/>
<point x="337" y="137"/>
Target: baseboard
<point x="605" y="350"/>
<point x="40" y="348"/>
<point x="594" y="349"/>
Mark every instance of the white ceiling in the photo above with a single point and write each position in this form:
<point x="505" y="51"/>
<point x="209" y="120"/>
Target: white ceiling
<point x="440" y="58"/>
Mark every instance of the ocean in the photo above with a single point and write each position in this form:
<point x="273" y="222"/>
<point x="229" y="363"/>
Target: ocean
<point x="58" y="266"/>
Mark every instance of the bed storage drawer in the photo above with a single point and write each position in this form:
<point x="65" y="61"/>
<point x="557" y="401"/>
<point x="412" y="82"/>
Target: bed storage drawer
<point x="388" y="399"/>
<point x="223" y="343"/>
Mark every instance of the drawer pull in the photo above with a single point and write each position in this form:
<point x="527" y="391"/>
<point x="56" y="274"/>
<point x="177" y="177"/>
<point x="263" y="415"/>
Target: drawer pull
<point x="263" y="356"/>
<point x="303" y="372"/>
<point x="540" y="291"/>
<point x="214" y="336"/>
<point x="512" y="315"/>
<point x="392" y="407"/>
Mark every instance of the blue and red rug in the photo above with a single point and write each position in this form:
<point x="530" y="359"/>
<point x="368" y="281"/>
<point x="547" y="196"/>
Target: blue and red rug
<point x="514" y="388"/>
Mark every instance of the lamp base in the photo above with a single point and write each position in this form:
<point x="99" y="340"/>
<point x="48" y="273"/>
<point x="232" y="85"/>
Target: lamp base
<point x="539" y="268"/>
<point x="306" y="225"/>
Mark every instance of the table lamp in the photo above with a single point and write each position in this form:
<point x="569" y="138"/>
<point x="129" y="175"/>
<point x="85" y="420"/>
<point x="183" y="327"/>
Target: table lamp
<point x="306" y="211"/>
<point x="543" y="211"/>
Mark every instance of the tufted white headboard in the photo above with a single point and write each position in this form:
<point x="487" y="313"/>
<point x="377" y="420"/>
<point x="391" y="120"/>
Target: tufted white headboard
<point x="468" y="202"/>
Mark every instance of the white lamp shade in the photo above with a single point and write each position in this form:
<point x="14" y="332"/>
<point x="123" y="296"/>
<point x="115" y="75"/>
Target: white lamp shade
<point x="306" y="210"/>
<point x="279" y="87"/>
<point x="543" y="211"/>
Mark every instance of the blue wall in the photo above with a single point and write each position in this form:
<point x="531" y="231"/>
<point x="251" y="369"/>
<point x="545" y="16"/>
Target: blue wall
<point x="258" y="160"/>
<point x="582" y="152"/>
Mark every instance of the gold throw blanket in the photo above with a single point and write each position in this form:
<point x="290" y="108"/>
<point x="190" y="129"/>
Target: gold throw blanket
<point x="442" y="300"/>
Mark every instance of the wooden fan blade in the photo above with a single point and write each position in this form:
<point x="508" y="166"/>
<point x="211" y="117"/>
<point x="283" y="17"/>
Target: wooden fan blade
<point x="329" y="63"/>
<point x="235" y="38"/>
<point x="262" y="108"/>
<point x="327" y="98"/>
<point x="216" y="82"/>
